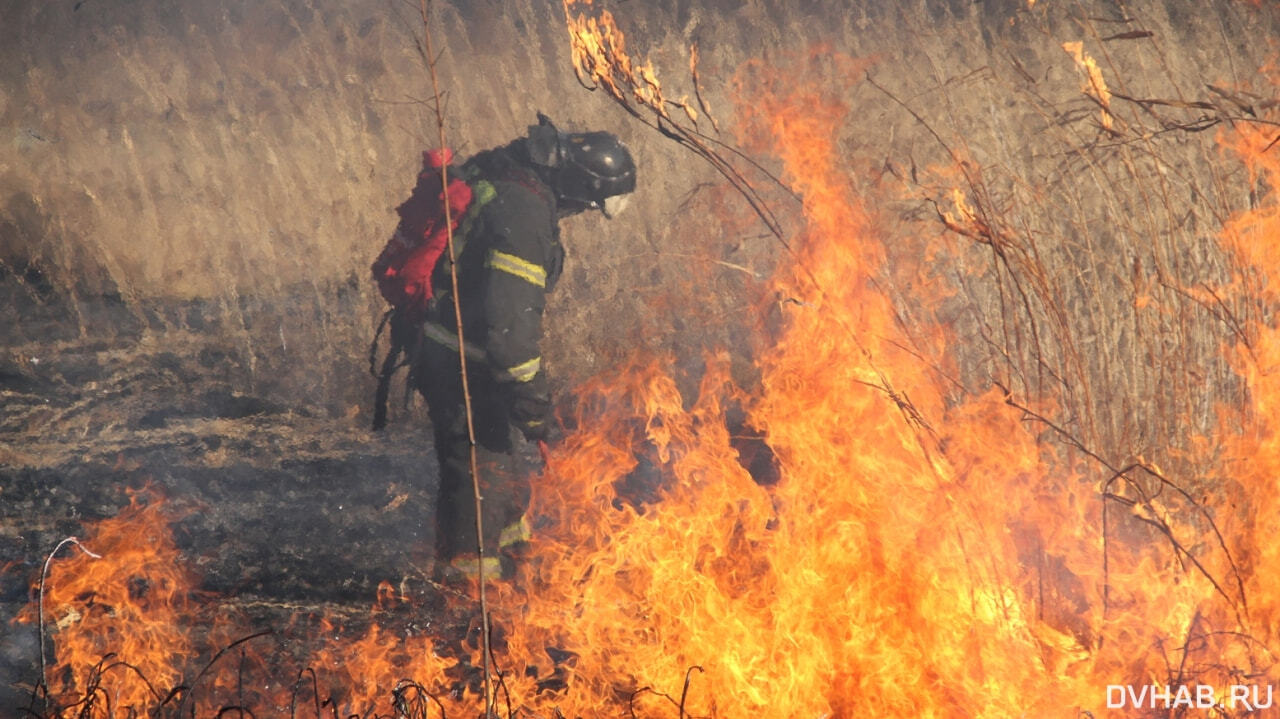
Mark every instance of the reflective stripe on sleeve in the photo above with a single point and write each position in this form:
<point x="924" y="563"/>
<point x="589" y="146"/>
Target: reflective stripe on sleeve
<point x="440" y="335"/>
<point x="522" y="268"/>
<point x="523" y="372"/>
<point x="515" y="533"/>
<point x="472" y="567"/>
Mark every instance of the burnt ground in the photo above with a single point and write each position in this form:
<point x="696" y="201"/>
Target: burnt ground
<point x="287" y="507"/>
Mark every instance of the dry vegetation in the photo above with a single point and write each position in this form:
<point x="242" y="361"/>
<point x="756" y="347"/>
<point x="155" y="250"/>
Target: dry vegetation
<point x="244" y="158"/>
<point x="191" y="196"/>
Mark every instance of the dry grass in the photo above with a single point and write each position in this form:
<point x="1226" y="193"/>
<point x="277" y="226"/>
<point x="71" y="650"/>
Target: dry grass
<point x="247" y="159"/>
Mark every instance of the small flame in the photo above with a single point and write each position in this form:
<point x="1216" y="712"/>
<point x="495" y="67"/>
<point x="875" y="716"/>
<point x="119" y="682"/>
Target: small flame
<point x="599" y="53"/>
<point x="1094" y="86"/>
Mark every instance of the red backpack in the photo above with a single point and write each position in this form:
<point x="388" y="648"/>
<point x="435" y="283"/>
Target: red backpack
<point x="403" y="270"/>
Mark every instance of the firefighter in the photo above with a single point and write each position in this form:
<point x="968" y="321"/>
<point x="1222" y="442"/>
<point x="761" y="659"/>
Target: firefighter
<point x="508" y="258"/>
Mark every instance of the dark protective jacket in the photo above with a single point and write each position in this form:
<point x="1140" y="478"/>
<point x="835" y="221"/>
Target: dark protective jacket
<point x="508" y="259"/>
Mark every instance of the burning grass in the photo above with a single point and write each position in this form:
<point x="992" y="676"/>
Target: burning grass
<point x="925" y="551"/>
<point x="930" y="559"/>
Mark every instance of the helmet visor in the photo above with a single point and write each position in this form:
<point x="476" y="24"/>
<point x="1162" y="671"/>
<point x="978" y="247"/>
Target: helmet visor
<point x="613" y="206"/>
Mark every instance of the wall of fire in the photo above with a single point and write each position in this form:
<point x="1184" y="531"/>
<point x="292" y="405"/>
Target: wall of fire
<point x="225" y="172"/>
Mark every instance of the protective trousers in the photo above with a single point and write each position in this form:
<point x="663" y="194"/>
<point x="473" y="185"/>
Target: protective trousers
<point x="505" y="462"/>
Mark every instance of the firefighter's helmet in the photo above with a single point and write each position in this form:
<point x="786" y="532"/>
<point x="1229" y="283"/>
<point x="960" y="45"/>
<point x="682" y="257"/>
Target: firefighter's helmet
<point x="587" y="168"/>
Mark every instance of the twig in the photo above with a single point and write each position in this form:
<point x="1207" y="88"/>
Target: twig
<point x="1186" y="648"/>
<point x="1168" y="532"/>
<point x="608" y="67"/>
<point x="191" y="689"/>
<point x="680" y="704"/>
<point x="506" y="693"/>
<point x="94" y="687"/>
<point x="401" y="702"/>
<point x="315" y="693"/>
<point x="697" y="91"/>
<point x="240" y="679"/>
<point x="631" y="701"/>
<point x="684" y="693"/>
<point x="1228" y="317"/>
<point x="462" y="359"/>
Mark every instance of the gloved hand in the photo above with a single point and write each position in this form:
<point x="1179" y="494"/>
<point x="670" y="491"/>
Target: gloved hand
<point x="531" y="414"/>
<point x="544" y="430"/>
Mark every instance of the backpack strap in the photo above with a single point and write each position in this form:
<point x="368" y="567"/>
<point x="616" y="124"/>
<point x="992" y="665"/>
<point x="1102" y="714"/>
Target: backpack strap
<point x="483" y="193"/>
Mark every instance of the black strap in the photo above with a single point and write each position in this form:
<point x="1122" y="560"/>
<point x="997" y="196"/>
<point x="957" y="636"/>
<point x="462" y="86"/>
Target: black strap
<point x="388" y="369"/>
<point x="405" y="349"/>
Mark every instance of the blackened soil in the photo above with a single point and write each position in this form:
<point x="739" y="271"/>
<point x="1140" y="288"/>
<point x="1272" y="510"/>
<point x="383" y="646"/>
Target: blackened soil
<point x="284" y="506"/>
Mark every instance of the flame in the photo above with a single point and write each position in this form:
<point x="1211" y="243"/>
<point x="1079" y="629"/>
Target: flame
<point x="599" y="54"/>
<point x="860" y="585"/>
<point x="128" y="607"/>
<point x="1252" y="454"/>
<point x="1094" y="86"/>
<point x="598" y="50"/>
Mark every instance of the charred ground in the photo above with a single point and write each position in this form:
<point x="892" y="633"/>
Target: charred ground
<point x="280" y="507"/>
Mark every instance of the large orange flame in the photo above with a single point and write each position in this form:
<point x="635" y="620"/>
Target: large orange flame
<point x="1251" y="437"/>
<point x="866" y="582"/>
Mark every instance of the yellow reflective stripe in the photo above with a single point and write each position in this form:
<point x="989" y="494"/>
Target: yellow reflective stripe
<point x="515" y="533"/>
<point x="446" y="337"/>
<point x="524" y="269"/>
<point x="471" y="567"/>
<point x="525" y="371"/>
